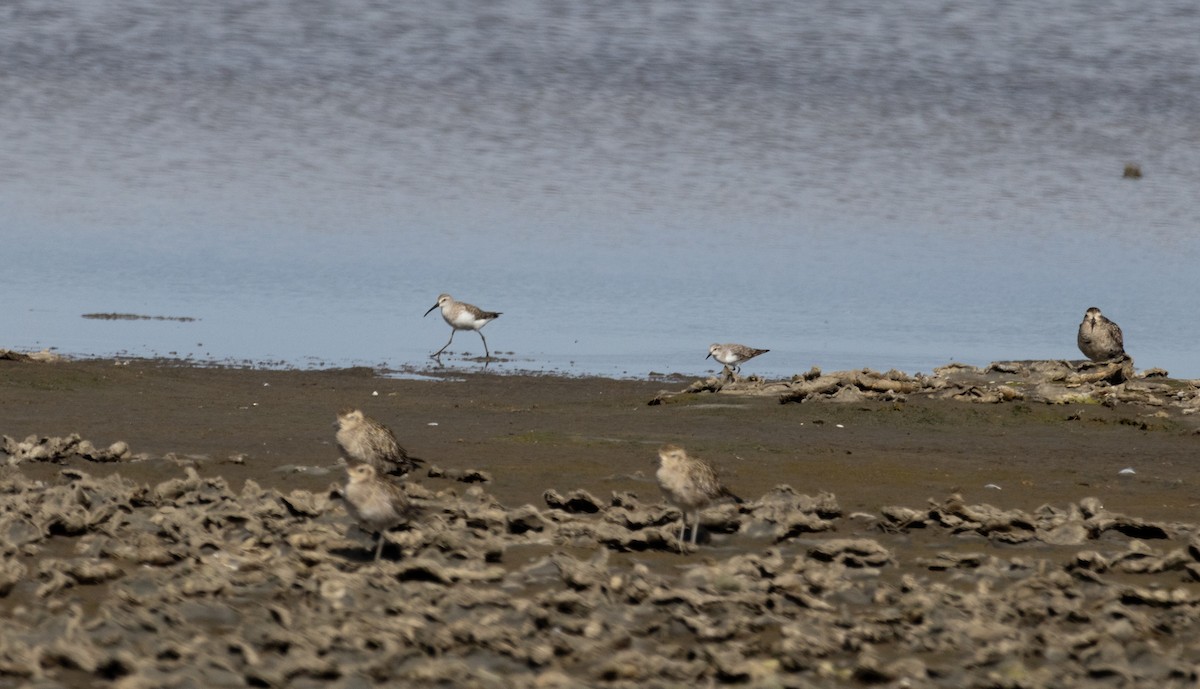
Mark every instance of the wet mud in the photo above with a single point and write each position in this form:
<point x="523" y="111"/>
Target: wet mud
<point x="170" y="526"/>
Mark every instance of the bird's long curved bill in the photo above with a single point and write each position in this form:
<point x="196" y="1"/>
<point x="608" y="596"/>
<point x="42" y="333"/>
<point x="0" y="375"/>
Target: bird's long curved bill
<point x="707" y="356"/>
<point x="431" y="308"/>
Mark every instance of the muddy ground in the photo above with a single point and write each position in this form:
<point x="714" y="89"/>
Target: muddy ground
<point x="924" y="541"/>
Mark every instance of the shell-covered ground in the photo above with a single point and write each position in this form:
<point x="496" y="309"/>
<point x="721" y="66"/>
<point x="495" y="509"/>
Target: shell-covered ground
<point x="542" y="554"/>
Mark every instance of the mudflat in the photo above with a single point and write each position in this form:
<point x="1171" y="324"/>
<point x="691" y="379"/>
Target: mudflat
<point x="536" y="432"/>
<point x="899" y="497"/>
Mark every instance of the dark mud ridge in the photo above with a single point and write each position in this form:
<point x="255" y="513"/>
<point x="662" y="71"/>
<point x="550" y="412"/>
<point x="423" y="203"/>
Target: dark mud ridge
<point x="190" y="583"/>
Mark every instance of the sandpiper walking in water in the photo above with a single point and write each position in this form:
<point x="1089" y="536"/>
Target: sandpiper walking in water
<point x="732" y="355"/>
<point x="690" y="485"/>
<point x="365" y="440"/>
<point x="463" y="316"/>
<point x="1099" y="338"/>
<point x="376" y="503"/>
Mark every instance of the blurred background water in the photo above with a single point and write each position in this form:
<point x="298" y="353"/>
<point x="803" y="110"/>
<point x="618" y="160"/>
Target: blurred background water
<point x="846" y="183"/>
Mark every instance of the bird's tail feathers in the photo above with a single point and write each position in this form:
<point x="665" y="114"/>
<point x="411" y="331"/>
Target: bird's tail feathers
<point x="405" y="467"/>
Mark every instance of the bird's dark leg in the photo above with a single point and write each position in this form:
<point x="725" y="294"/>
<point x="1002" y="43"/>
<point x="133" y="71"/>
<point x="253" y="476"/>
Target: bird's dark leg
<point x="439" y="352"/>
<point x="486" y="353"/>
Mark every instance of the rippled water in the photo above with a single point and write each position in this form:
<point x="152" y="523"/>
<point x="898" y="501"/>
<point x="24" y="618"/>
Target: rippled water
<point x="846" y="183"/>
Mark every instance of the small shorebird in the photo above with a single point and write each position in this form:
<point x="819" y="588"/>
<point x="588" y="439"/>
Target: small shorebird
<point x="365" y="440"/>
<point x="1099" y="338"/>
<point x="462" y="316"/>
<point x="376" y="503"/>
<point x="690" y="485"/>
<point x="732" y="355"/>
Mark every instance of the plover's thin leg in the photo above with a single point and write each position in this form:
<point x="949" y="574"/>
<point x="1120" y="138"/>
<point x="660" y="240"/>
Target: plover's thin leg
<point x="695" y="525"/>
<point x="682" y="526"/>
<point x="379" y="548"/>
<point x="438" y="352"/>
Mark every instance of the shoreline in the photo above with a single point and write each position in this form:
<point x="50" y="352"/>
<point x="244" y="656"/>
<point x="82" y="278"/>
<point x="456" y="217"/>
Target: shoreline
<point x="423" y="370"/>
<point x="51" y="355"/>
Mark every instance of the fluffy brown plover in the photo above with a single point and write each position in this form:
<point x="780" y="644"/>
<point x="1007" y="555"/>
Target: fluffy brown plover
<point x="690" y="485"/>
<point x="375" y="502"/>
<point x="366" y="441"/>
<point x="1099" y="338"/>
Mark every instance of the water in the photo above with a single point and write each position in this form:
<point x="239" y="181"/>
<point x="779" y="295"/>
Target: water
<point x="845" y="183"/>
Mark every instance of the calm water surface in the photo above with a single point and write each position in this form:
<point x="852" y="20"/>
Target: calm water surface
<point x="846" y="183"/>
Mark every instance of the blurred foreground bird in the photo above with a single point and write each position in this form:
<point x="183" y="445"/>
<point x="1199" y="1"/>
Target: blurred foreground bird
<point x="377" y="503"/>
<point x="365" y="440"/>
<point x="690" y="485"/>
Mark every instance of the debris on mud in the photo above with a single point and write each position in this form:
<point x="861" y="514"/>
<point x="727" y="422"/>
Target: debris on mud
<point x="1049" y="382"/>
<point x="59" y="449"/>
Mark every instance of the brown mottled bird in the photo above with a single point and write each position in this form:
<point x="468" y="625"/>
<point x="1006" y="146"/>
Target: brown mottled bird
<point x="690" y="485"/>
<point x="363" y="439"/>
<point x="1099" y="338"/>
<point x="377" y="503"/>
